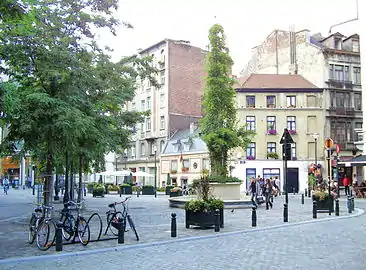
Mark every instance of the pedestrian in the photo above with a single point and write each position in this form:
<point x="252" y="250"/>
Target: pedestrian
<point x="253" y="188"/>
<point x="6" y="186"/>
<point x="346" y="183"/>
<point x="355" y="180"/>
<point x="268" y="193"/>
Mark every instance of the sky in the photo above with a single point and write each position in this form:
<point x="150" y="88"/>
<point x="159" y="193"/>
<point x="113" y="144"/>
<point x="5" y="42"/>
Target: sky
<point x="246" y="22"/>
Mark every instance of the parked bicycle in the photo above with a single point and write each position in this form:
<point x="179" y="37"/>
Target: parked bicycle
<point x="117" y="216"/>
<point x="42" y="228"/>
<point x="72" y="227"/>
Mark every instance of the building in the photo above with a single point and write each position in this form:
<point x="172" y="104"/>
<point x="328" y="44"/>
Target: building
<point x="173" y="106"/>
<point x="268" y="103"/>
<point x="184" y="157"/>
<point x="331" y="63"/>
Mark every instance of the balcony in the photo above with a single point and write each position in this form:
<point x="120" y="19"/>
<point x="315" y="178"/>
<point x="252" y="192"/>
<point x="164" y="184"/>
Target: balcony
<point x="335" y="84"/>
<point x="342" y="111"/>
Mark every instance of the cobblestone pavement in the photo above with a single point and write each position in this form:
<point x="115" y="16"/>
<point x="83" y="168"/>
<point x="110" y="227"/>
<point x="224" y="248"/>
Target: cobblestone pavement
<point x="296" y="244"/>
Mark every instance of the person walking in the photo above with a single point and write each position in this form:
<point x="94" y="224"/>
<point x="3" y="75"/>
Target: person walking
<point x="346" y="183"/>
<point x="253" y="189"/>
<point x="268" y="193"/>
<point x="6" y="186"/>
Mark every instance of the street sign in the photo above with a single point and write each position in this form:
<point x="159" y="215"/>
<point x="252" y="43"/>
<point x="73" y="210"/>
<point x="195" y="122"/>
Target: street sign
<point x="328" y="143"/>
<point x="286" y="135"/>
<point x="337" y="149"/>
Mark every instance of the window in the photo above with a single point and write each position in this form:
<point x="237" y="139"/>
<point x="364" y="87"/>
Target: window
<point x="148" y="124"/>
<point x="291" y="101"/>
<point x="293" y="151"/>
<point x="185" y="163"/>
<point x="162" y="122"/>
<point x="206" y="164"/>
<point x="357" y="75"/>
<point x="271" y="123"/>
<point x="148" y="103"/>
<point x="250" y="173"/>
<point x="271" y="147"/>
<point x="148" y="84"/>
<point x="355" y="45"/>
<point x="340" y="98"/>
<point x="142" y="105"/>
<point x="271" y="173"/>
<point x="142" y="150"/>
<point x="162" y="144"/>
<point x="174" y="165"/>
<point x="311" y="101"/>
<point x="142" y="127"/>
<point x="152" y="148"/>
<point x="133" y="106"/>
<point x="251" y="151"/>
<point x="176" y="146"/>
<point x="271" y="101"/>
<point x="162" y="77"/>
<point x="291" y="123"/>
<point x="311" y="124"/>
<point x="162" y="100"/>
<point x="250" y="123"/>
<point x="331" y="72"/>
<point x="162" y="56"/>
<point x="250" y="101"/>
<point x="338" y="73"/>
<point x="358" y="125"/>
<point x="346" y="73"/>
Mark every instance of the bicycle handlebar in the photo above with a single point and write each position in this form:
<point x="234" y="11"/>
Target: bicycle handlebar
<point x="47" y="207"/>
<point x="75" y="203"/>
<point x="115" y="203"/>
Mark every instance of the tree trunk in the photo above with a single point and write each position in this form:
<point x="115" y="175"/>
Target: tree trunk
<point x="66" y="193"/>
<point x="72" y="184"/>
<point x="81" y="166"/>
<point x="47" y="190"/>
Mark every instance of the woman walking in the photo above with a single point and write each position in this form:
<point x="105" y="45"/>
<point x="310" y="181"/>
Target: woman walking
<point x="268" y="193"/>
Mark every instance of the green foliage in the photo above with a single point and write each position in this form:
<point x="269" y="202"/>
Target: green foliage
<point x="311" y="180"/>
<point x="219" y="125"/>
<point x="113" y="188"/>
<point x="202" y="188"/>
<point x="223" y="179"/>
<point x="148" y="186"/>
<point x="272" y="155"/>
<point x="126" y="185"/>
<point x="99" y="188"/>
<point x="91" y="185"/>
<point x="204" y="206"/>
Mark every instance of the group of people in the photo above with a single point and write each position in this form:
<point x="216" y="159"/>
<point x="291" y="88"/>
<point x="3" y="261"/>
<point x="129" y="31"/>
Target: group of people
<point x="267" y="188"/>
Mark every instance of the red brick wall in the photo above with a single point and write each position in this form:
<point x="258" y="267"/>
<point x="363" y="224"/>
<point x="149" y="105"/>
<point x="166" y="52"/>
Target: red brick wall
<point x="186" y="81"/>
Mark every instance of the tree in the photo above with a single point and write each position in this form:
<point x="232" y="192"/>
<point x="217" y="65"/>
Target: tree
<point x="219" y="125"/>
<point x="67" y="94"/>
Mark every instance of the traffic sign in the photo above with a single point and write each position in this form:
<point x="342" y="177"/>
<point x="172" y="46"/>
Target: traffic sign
<point x="286" y="136"/>
<point x="337" y="149"/>
<point x="328" y="143"/>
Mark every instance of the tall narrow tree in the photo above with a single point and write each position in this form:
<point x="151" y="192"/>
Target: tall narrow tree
<point x="219" y="125"/>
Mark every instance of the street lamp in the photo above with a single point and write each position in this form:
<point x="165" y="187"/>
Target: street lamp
<point x="316" y="136"/>
<point x="155" y="150"/>
<point x="125" y="157"/>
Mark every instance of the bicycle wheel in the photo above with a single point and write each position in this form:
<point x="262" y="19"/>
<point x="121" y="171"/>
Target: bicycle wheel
<point x="45" y="236"/>
<point x="83" y="231"/>
<point x="68" y="227"/>
<point x="95" y="225"/>
<point x="115" y="216"/>
<point x="32" y="229"/>
<point x="132" y="226"/>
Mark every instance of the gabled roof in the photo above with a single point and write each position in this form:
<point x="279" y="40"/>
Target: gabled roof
<point x="333" y="35"/>
<point x="354" y="36"/>
<point x="275" y="81"/>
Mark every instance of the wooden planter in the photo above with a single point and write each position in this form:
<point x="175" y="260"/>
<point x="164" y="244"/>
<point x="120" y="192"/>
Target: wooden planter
<point x="126" y="189"/>
<point x="203" y="219"/>
<point x="148" y="191"/>
<point x="324" y="205"/>
<point x="176" y="193"/>
<point x="97" y="193"/>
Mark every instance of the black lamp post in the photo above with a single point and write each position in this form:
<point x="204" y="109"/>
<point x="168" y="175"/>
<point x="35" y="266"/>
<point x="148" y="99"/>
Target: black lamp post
<point x="125" y="157"/>
<point x="115" y="159"/>
<point x="315" y="136"/>
<point x="155" y="167"/>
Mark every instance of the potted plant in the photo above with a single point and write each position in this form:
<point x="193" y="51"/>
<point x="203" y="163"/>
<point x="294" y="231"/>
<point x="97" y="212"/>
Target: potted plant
<point x="148" y="190"/>
<point x="273" y="155"/>
<point x="98" y="190"/>
<point x="250" y="157"/>
<point x="175" y="192"/>
<point x="173" y="171"/>
<point x="292" y="132"/>
<point x="271" y="132"/>
<point x="126" y="188"/>
<point x="324" y="200"/>
<point x="185" y="169"/>
<point x="201" y="211"/>
<point x="90" y="186"/>
<point x="168" y="189"/>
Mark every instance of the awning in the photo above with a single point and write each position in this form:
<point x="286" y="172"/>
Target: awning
<point x="358" y="161"/>
<point x="342" y="159"/>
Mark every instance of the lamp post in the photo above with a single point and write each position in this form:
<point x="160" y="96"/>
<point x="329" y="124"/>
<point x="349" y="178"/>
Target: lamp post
<point x="125" y="157"/>
<point x="155" y="168"/>
<point x="115" y="159"/>
<point x="316" y="136"/>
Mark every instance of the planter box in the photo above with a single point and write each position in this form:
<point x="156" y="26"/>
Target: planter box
<point x="175" y="194"/>
<point x="167" y="190"/>
<point x="98" y="193"/>
<point x="126" y="189"/>
<point x="323" y="206"/>
<point x="226" y="191"/>
<point x="203" y="219"/>
<point x="90" y="189"/>
<point x="148" y="191"/>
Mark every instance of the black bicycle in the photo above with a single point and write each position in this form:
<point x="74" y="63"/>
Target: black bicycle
<point x="72" y="227"/>
<point x="117" y="216"/>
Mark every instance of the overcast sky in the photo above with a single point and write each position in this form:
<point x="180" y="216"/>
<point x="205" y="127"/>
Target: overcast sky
<point x="246" y="22"/>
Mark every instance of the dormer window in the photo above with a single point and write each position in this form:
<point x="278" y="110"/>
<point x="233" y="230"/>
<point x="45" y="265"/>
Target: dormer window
<point x="176" y="146"/>
<point x="337" y="43"/>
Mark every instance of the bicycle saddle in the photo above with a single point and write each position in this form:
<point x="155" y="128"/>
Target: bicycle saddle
<point x="111" y="205"/>
<point x="38" y="209"/>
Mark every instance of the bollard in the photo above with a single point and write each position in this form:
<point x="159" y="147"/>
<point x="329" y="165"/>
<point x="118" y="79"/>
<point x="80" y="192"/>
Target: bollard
<point x="121" y="232"/>
<point x="285" y="212"/>
<point x="337" y="207"/>
<point x="352" y="203"/>
<point x="120" y="191"/>
<point x="58" y="236"/>
<point x="315" y="211"/>
<point x="173" y="226"/>
<point x="217" y="220"/>
<point x="349" y="205"/>
<point x="254" y="217"/>
<point x="306" y="192"/>
<point x="309" y="192"/>
<point x="84" y="191"/>
<point x="293" y="191"/>
<point x="302" y="199"/>
<point x="33" y="190"/>
<point x="138" y="193"/>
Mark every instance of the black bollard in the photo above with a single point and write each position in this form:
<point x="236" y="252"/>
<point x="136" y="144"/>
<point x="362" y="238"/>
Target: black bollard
<point x="173" y="226"/>
<point x="84" y="191"/>
<point x="58" y="236"/>
<point x="302" y="199"/>
<point x="293" y="190"/>
<point x="306" y="192"/>
<point x="337" y="207"/>
<point x="33" y="190"/>
<point x="217" y="220"/>
<point x="120" y="191"/>
<point x="349" y="205"/>
<point x="138" y="193"/>
<point x="254" y="217"/>
<point x="121" y="232"/>
<point x="309" y="192"/>
<point x="353" y="203"/>
<point x="285" y="212"/>
<point x="315" y="210"/>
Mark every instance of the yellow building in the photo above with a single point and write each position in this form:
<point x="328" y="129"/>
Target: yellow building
<point x="269" y="103"/>
<point x="184" y="158"/>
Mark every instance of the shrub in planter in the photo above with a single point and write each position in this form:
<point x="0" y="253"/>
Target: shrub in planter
<point x="90" y="186"/>
<point x="126" y="189"/>
<point x="322" y="197"/>
<point x="175" y="192"/>
<point x="167" y="189"/>
<point x="113" y="188"/>
<point x="98" y="190"/>
<point x="148" y="190"/>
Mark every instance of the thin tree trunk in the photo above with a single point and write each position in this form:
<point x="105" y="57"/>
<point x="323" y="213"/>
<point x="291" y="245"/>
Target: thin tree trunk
<point x="66" y="192"/>
<point x="48" y="181"/>
<point x="72" y="184"/>
<point x="81" y="166"/>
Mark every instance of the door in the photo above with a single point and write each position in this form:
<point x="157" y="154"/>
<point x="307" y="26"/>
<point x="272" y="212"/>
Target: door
<point x="293" y="180"/>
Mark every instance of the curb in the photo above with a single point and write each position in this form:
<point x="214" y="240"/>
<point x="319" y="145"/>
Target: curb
<point x="360" y="212"/>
